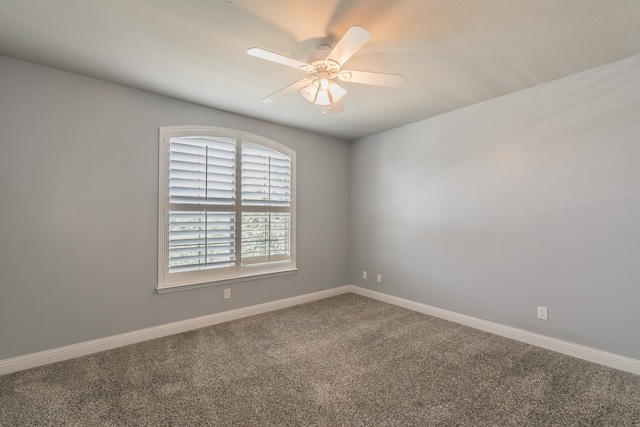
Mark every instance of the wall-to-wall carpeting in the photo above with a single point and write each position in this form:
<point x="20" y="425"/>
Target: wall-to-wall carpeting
<point x="345" y="360"/>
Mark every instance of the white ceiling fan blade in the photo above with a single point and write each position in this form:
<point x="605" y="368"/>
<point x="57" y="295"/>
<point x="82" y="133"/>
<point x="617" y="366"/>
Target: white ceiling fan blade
<point x="276" y="57"/>
<point x="287" y="90"/>
<point x="353" y="39"/>
<point x="369" y="78"/>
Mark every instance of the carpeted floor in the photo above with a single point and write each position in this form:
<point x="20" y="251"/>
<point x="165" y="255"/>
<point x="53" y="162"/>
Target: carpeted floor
<point x="342" y="361"/>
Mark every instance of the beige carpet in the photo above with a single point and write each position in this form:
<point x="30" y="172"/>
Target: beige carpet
<point x="346" y="360"/>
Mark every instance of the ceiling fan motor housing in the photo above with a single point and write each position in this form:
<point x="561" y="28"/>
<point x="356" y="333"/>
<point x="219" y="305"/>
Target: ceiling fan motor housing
<point x="332" y="68"/>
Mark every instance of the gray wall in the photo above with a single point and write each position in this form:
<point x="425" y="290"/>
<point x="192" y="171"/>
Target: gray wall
<point x="78" y="210"/>
<point x="525" y="200"/>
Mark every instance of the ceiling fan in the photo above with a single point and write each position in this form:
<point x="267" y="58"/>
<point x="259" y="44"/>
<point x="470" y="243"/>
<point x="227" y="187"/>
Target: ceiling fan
<point x="318" y="87"/>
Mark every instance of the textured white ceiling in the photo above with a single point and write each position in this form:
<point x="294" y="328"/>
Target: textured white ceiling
<point x="452" y="53"/>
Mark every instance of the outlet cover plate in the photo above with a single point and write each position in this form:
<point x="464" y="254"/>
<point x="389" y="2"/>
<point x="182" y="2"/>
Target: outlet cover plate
<point x="543" y="313"/>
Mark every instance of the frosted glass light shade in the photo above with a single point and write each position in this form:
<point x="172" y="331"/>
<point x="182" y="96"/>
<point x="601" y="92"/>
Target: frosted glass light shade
<point x="337" y="92"/>
<point x="323" y="92"/>
<point x="323" y="98"/>
<point x="334" y="94"/>
<point x="309" y="91"/>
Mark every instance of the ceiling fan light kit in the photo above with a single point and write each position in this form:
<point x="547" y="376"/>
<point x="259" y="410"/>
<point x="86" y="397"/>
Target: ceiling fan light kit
<point x="322" y="90"/>
<point x="318" y="87"/>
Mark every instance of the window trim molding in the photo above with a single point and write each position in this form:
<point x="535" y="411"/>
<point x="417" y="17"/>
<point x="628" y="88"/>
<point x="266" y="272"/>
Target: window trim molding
<point x="251" y="271"/>
<point x="175" y="288"/>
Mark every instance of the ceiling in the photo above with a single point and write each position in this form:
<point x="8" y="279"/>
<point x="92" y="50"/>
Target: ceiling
<point x="452" y="53"/>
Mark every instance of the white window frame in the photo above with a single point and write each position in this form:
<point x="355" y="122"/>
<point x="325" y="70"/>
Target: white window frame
<point x="168" y="282"/>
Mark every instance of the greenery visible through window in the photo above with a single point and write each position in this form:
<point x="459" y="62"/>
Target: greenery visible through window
<point x="227" y="206"/>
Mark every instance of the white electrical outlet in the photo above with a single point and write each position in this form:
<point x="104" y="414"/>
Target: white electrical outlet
<point x="543" y="313"/>
<point x="379" y="278"/>
<point x="227" y="293"/>
<point x="364" y="274"/>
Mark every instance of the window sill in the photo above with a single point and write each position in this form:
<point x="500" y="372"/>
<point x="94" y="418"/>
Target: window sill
<point x="176" y="288"/>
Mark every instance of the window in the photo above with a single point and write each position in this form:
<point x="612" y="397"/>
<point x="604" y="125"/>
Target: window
<point x="227" y="207"/>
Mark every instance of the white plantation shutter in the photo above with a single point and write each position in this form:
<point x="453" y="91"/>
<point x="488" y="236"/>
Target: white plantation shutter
<point x="266" y="182"/>
<point x="201" y="240"/>
<point x="202" y="171"/>
<point x="202" y="176"/>
<point x="266" y="237"/>
<point x="226" y="206"/>
<point x="266" y="176"/>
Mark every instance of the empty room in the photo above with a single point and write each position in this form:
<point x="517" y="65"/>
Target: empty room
<point x="347" y="212"/>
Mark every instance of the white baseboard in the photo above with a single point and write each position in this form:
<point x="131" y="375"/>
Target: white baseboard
<point x="576" y="350"/>
<point x="88" y="347"/>
<point x="82" y="349"/>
